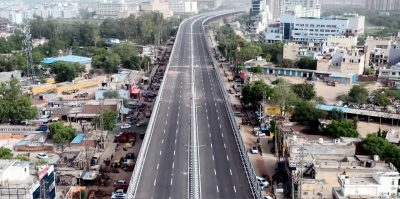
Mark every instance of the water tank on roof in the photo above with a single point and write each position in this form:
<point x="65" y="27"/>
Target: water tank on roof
<point x="321" y="140"/>
<point x="376" y="157"/>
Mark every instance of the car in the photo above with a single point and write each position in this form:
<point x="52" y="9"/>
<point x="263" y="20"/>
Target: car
<point x="120" y="182"/>
<point x="253" y="149"/>
<point x="231" y="91"/>
<point x="118" y="196"/>
<point x="139" y="124"/>
<point x="262" y="187"/>
<point x="262" y="181"/>
<point x="238" y="114"/>
<point x="42" y="156"/>
<point x="121" y="186"/>
<point x="126" y="126"/>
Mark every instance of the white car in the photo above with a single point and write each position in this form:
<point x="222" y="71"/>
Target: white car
<point x="253" y="149"/>
<point x="126" y="126"/>
<point x="260" y="134"/>
<point x="42" y="156"/>
<point x="262" y="181"/>
<point x="118" y="196"/>
<point x="140" y="124"/>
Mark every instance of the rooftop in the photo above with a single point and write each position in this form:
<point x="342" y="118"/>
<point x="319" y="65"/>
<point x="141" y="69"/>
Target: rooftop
<point x="4" y="164"/>
<point x="393" y="136"/>
<point x="68" y="58"/>
<point x="105" y="102"/>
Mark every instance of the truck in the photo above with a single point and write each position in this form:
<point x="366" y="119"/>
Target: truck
<point x="126" y="137"/>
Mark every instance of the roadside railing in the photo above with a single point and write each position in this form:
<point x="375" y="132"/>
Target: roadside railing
<point x="251" y="176"/>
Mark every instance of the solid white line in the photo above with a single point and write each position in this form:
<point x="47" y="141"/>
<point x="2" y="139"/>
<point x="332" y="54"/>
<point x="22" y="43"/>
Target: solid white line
<point x="155" y="182"/>
<point x="158" y="166"/>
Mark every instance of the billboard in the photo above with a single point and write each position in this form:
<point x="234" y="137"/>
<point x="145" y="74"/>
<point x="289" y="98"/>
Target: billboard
<point x="272" y="110"/>
<point x="42" y="173"/>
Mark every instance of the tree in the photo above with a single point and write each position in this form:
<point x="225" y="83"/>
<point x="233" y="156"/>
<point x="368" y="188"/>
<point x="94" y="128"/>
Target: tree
<point x="305" y="91"/>
<point x="369" y="72"/>
<point x="286" y="63"/>
<point x="273" y="49"/>
<point x="343" y="128"/>
<point x="14" y="106"/>
<point x="5" y="153"/>
<point x="382" y="99"/>
<point x="108" y="117"/>
<point x="67" y="71"/>
<point x="61" y="134"/>
<point x="126" y="52"/>
<point x="283" y="97"/>
<point x="21" y="158"/>
<point x="105" y="60"/>
<point x="110" y="94"/>
<point x="254" y="91"/>
<point x="336" y="114"/>
<point x="257" y="69"/>
<point x="307" y="63"/>
<point x="307" y="114"/>
<point x="268" y="57"/>
<point x="358" y="94"/>
<point x="387" y="151"/>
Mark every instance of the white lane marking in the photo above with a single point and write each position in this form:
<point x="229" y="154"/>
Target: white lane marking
<point x="155" y="180"/>
<point x="173" y="165"/>
<point x="177" y="122"/>
<point x="158" y="166"/>
<point x="164" y="131"/>
<point x="167" y="114"/>
<point x="206" y="111"/>
<point x="180" y="95"/>
<point x="224" y="145"/>
<point x="209" y="134"/>
<point x="216" y="110"/>
<point x="211" y="145"/>
<point x="178" y="114"/>
<point x="160" y="152"/>
<point x="208" y="125"/>
<point x="227" y="158"/>
<point x="166" y="122"/>
<point x="207" y="117"/>
<point x="162" y="141"/>
<point x="213" y="157"/>
<point x="234" y="188"/>
<point x="215" y="172"/>
<point x="175" y="141"/>
<point x="171" y="181"/>
<point x="174" y="152"/>
<point x="205" y="104"/>
<point x="179" y="107"/>
<point x="168" y="109"/>
<point x="220" y="127"/>
<point x="217" y="189"/>
<point x="230" y="171"/>
<point x="218" y="118"/>
<point x="215" y="104"/>
<point x="180" y="102"/>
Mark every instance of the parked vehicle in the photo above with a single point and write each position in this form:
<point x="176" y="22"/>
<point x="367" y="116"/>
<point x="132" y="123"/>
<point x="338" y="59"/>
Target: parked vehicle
<point x="42" y="156"/>
<point x="231" y="91"/>
<point x="262" y="181"/>
<point x="141" y="136"/>
<point x="253" y="149"/>
<point x="120" y="182"/>
<point x="139" y="124"/>
<point x="238" y="114"/>
<point x="126" y="137"/>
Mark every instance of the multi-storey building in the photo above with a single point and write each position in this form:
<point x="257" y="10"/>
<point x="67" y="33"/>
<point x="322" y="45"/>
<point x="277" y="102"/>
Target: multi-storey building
<point x="259" y="16"/>
<point x="12" y="17"/>
<point x="341" y="42"/>
<point x="383" y="5"/>
<point x="208" y="4"/>
<point x="342" y="60"/>
<point x="107" y="9"/>
<point x="300" y="11"/>
<point x="356" y="24"/>
<point x="184" y="7"/>
<point x="161" y="6"/>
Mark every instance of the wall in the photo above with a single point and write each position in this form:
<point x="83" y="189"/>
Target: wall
<point x="34" y="149"/>
<point x="341" y="41"/>
<point x="363" y="78"/>
<point x="371" y="190"/>
<point x="325" y="149"/>
<point x="75" y="86"/>
<point x="17" y="173"/>
<point x="394" y="57"/>
<point x="357" y="23"/>
<point x="348" y="67"/>
<point x="323" y="64"/>
<point x="7" y="136"/>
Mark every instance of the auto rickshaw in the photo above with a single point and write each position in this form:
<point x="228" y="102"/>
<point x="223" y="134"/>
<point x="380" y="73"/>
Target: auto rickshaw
<point x="116" y="164"/>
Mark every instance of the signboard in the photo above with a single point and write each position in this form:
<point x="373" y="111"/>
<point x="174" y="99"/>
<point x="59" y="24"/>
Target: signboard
<point x="133" y="86"/>
<point x="42" y="173"/>
<point x="272" y="110"/>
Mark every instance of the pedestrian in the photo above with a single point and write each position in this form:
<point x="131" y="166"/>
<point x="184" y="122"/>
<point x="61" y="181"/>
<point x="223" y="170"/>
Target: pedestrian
<point x="112" y="155"/>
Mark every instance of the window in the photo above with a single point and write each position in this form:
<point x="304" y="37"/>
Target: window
<point x="311" y="30"/>
<point x="393" y="180"/>
<point x="393" y="73"/>
<point x="311" y="25"/>
<point x="328" y="26"/>
<point x="333" y="26"/>
<point x="323" y="26"/>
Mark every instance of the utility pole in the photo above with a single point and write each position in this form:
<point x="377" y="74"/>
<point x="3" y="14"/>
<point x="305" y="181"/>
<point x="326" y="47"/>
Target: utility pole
<point x="102" y="121"/>
<point x="87" y="165"/>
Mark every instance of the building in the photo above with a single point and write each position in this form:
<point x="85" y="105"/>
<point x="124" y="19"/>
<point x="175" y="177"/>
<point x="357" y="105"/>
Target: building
<point x="309" y="29"/>
<point x="356" y="24"/>
<point x="184" y="7"/>
<point x="300" y="11"/>
<point x="343" y="61"/>
<point x="392" y="72"/>
<point x="161" y="6"/>
<point x="209" y="4"/>
<point x="378" y="185"/>
<point x="45" y="187"/>
<point x="382" y="5"/>
<point x="378" y="51"/>
<point x="271" y="34"/>
<point x="259" y="16"/>
<point x="341" y="42"/>
<point x="42" y="13"/>
<point x="294" y="51"/>
<point x="394" y="55"/>
<point x="107" y="9"/>
<point x="87" y="62"/>
<point x="12" y="17"/>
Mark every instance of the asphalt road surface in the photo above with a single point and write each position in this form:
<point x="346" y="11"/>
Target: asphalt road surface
<point x="165" y="171"/>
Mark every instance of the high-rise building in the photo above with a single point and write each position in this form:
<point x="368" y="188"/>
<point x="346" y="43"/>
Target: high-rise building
<point x="161" y="6"/>
<point x="302" y="8"/>
<point x="383" y="5"/>
<point x="107" y="9"/>
<point x="259" y="16"/>
<point x="184" y="7"/>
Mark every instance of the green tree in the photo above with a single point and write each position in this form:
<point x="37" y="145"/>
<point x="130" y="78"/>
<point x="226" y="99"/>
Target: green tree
<point x="66" y="71"/>
<point x="307" y="63"/>
<point x="305" y="91"/>
<point x="268" y="57"/>
<point x="387" y="151"/>
<point x="382" y="99"/>
<point x="253" y="92"/>
<point x="37" y="56"/>
<point x="306" y="114"/>
<point x="5" y="153"/>
<point x="358" y="94"/>
<point x="369" y="72"/>
<point x="21" y="158"/>
<point x="336" y="114"/>
<point x="61" y="134"/>
<point x="110" y="94"/>
<point x="14" y="106"/>
<point x="286" y="63"/>
<point x="18" y="61"/>
<point x="257" y="69"/>
<point x="108" y="119"/>
<point x="343" y="128"/>
<point x="126" y="52"/>
<point x="283" y="97"/>
<point x="273" y="49"/>
<point x="105" y="60"/>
